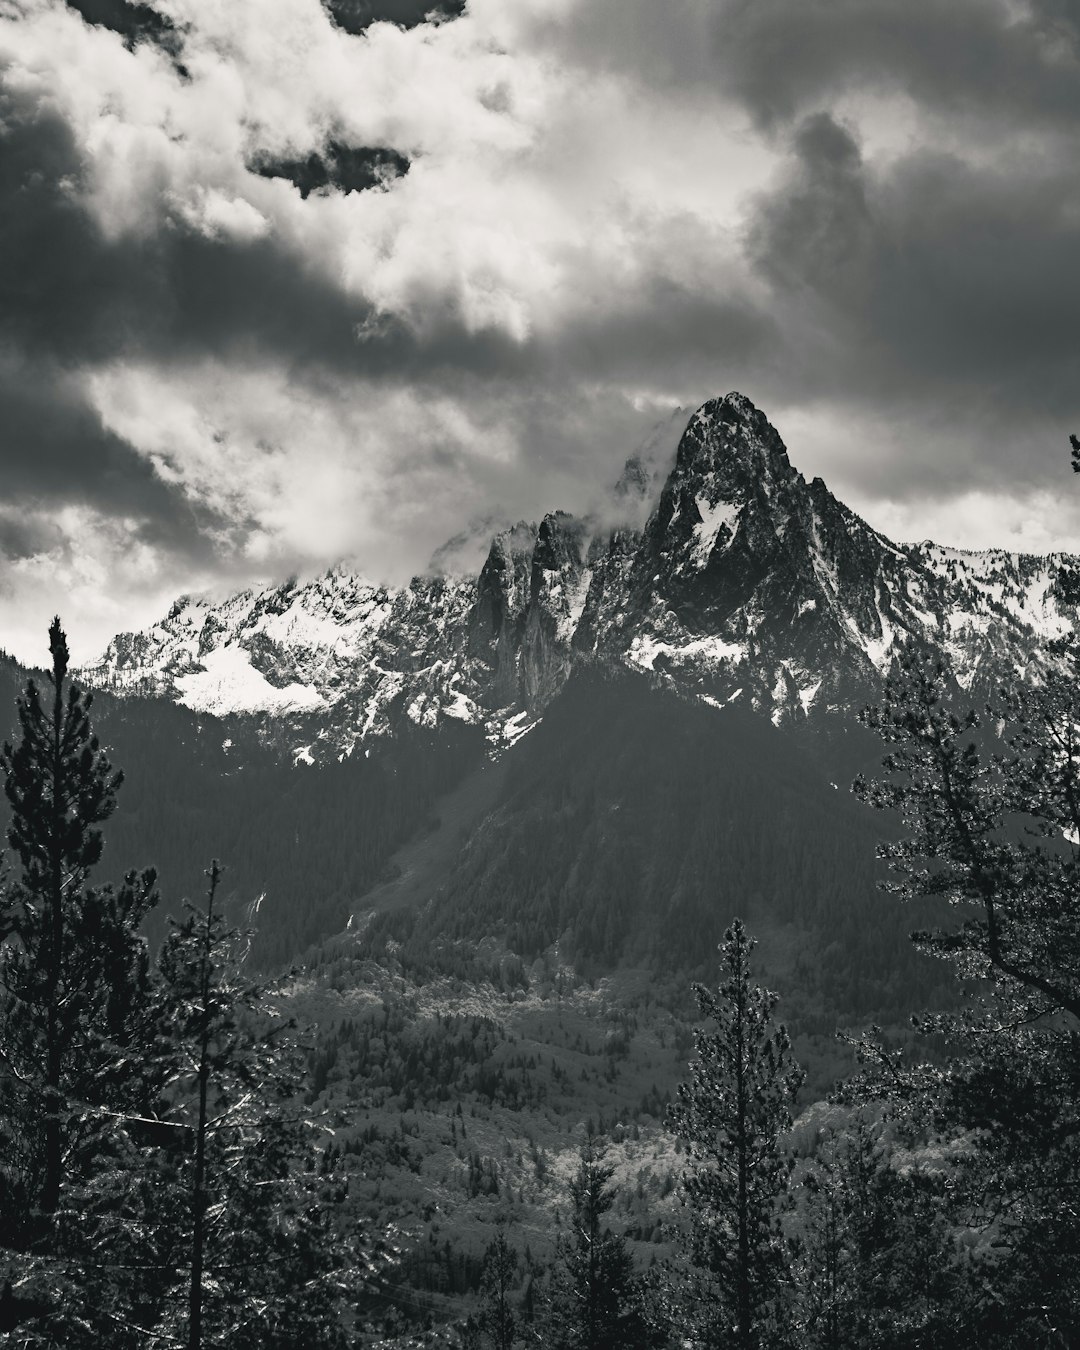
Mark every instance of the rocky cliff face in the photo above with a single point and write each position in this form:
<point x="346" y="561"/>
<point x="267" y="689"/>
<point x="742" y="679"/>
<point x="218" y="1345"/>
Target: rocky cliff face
<point x="745" y="582"/>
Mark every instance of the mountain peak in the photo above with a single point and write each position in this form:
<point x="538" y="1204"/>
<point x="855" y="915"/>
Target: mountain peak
<point x="736" y="405"/>
<point x="731" y="477"/>
<point x="730" y="440"/>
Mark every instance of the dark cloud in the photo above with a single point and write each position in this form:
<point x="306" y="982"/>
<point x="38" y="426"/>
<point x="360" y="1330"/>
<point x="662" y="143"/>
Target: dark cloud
<point x="959" y="56"/>
<point x="54" y="452"/>
<point x="936" y="284"/>
<point x="782" y="58"/>
<point x="70" y="299"/>
<point x="54" y="273"/>
<point x="24" y="536"/>
<point x="54" y="448"/>
<point x="68" y="293"/>
<point x="1058" y="21"/>
<point x="356" y="15"/>
<point x="341" y="168"/>
<point x="134" y="23"/>
<point x="54" y="289"/>
<point x="663" y="333"/>
<point x="816" y="231"/>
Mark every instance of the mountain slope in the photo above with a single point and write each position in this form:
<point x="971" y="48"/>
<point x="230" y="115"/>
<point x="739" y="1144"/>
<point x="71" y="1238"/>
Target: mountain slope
<point x="299" y="845"/>
<point x="634" y="824"/>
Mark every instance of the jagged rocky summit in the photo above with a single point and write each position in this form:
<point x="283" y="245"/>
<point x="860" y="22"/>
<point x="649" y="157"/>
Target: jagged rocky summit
<point x="745" y="582"/>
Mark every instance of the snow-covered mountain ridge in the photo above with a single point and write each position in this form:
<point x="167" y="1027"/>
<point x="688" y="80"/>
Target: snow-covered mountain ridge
<point x="745" y="582"/>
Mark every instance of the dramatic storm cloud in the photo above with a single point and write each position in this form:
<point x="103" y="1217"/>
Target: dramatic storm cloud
<point x="282" y="282"/>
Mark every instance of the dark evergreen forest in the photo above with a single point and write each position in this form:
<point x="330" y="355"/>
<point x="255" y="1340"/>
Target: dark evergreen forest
<point x="636" y="823"/>
<point x="308" y="839"/>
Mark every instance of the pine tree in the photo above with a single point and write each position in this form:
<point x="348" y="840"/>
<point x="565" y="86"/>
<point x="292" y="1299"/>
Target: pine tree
<point x="497" y="1319"/>
<point x="595" y="1295"/>
<point x="991" y="803"/>
<point x="253" y="1226"/>
<point x="956" y="795"/>
<point x="875" y="1262"/>
<point x="731" y="1115"/>
<point x="74" y="1009"/>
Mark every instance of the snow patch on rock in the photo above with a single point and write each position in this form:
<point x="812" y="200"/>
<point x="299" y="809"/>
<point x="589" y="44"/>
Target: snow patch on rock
<point x="228" y="683"/>
<point x="644" y="651"/>
<point x="715" y="516"/>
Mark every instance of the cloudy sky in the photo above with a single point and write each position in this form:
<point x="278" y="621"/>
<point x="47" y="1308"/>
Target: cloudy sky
<point x="284" y="281"/>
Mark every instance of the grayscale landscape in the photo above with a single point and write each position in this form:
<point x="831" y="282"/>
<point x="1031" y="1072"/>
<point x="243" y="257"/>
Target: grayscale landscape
<point x="539" y="677"/>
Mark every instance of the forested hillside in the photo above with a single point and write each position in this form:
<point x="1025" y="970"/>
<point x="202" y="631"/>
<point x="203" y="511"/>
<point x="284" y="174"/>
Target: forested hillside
<point x="636" y="823"/>
<point x="299" y="843"/>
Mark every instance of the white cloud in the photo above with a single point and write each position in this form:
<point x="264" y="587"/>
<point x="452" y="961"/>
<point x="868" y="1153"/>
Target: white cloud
<point x="301" y="477"/>
<point x="94" y="571"/>
<point x="525" y="183"/>
<point x="215" y="215"/>
<point x="1029" y="523"/>
<point x="935" y="480"/>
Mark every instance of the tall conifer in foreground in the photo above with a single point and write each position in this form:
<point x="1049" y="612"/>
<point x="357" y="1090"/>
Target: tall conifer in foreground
<point x="75" y="1015"/>
<point x="991" y="808"/>
<point x="731" y="1115"/>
